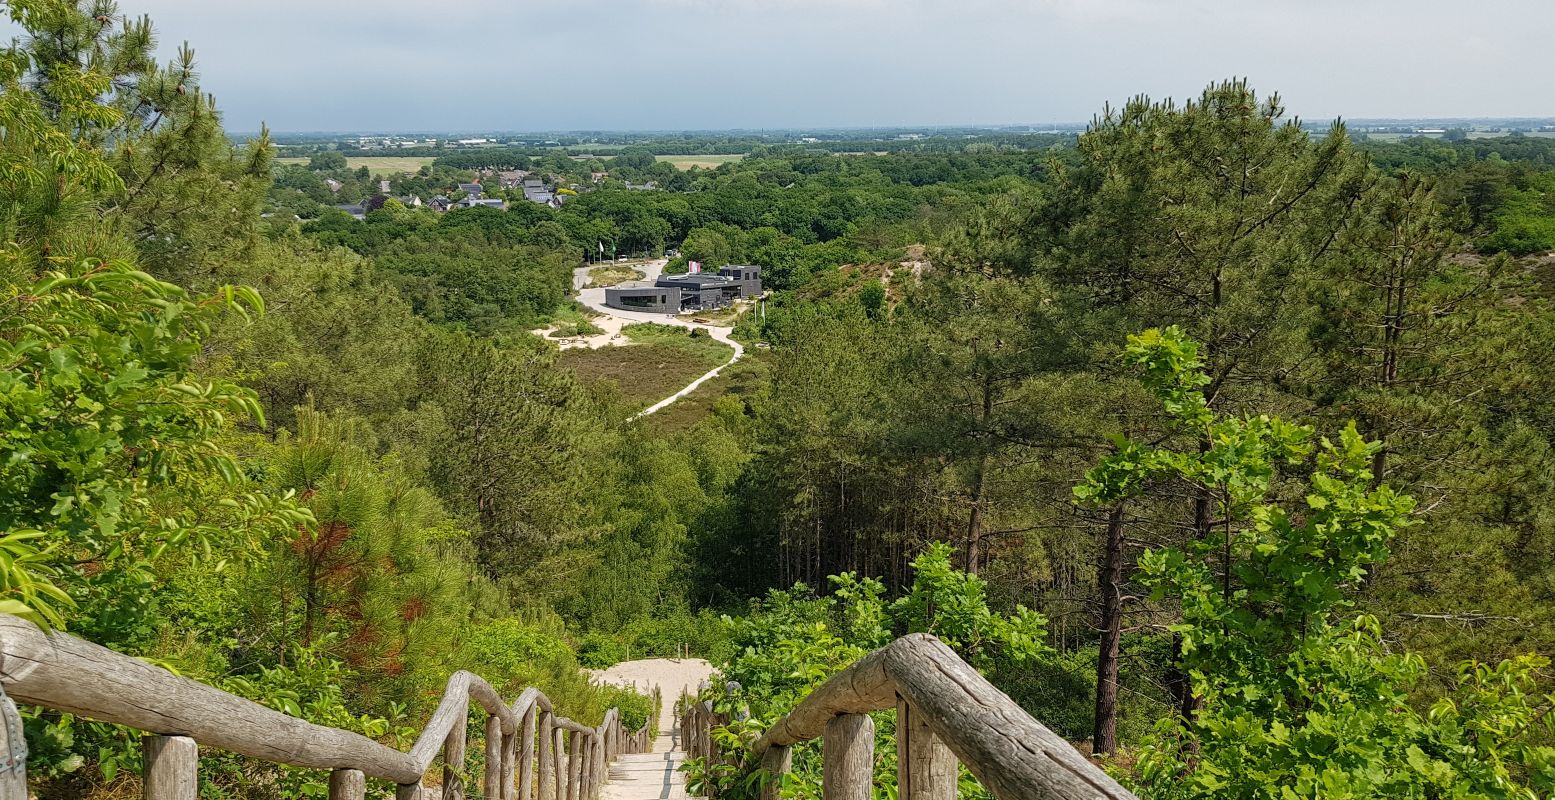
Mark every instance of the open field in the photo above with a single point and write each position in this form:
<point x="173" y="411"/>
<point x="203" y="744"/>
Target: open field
<point x="377" y="165"/>
<point x="1394" y="137"/>
<point x="741" y="379"/>
<point x="660" y="361"/>
<point x="705" y="162"/>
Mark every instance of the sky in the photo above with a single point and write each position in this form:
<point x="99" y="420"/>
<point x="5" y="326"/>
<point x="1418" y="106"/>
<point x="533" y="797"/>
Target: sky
<point x="552" y="65"/>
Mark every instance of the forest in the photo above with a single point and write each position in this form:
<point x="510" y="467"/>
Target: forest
<point x="1220" y="445"/>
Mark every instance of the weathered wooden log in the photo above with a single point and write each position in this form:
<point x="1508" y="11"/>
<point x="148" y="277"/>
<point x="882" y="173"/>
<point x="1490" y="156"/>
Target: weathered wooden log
<point x="411" y="791"/>
<point x="859" y="689"/>
<point x="453" y="761"/>
<point x="1013" y="755"/>
<point x="547" y="761"/>
<point x="347" y="784"/>
<point x="558" y="754"/>
<point x="491" y="781"/>
<point x="71" y="675"/>
<point x="574" y="766"/>
<point x="926" y="769"/>
<point x="509" y="767"/>
<point x="13" y="752"/>
<point x="848" y="758"/>
<point x="524" y="790"/>
<point x="777" y="761"/>
<point x="172" y="768"/>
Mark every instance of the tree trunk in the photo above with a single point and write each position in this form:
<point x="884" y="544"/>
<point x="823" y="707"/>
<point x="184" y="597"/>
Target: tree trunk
<point x="974" y="527"/>
<point x="1109" y="588"/>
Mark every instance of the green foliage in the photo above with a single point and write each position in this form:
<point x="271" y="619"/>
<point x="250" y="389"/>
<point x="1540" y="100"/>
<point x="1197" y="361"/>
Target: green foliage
<point x="105" y="413"/>
<point x="1525" y="221"/>
<point x="953" y="605"/>
<point x="792" y="641"/>
<point x="1299" y="697"/>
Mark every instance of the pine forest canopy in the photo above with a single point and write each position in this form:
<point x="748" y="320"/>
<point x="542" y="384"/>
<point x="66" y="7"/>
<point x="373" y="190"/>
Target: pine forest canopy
<point x="1221" y="444"/>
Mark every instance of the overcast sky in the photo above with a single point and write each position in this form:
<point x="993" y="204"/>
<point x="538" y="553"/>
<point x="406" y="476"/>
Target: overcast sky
<point x="465" y="65"/>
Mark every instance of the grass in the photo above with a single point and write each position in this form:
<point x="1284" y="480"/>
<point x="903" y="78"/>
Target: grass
<point x="573" y="319"/>
<point x="659" y="362"/>
<point x="613" y="274"/>
<point x="377" y="165"/>
<point x="705" y="162"/>
<point x="742" y="379"/>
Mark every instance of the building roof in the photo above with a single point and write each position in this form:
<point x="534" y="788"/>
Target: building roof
<point x="700" y="280"/>
<point x="637" y="286"/>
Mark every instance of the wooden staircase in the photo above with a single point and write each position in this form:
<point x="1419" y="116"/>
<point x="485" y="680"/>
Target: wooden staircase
<point x="654" y="775"/>
<point x="947" y="715"/>
<point x="531" y="752"/>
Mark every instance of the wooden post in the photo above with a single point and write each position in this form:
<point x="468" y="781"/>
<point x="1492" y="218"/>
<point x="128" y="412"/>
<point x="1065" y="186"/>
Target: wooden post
<point x="509" y="768"/>
<point x="544" y="754"/>
<point x="493" y="774"/>
<point x="926" y="769"/>
<point x="848" y="753"/>
<point x="526" y="756"/>
<point x="347" y="784"/>
<point x="559" y="767"/>
<point x="410" y="791"/>
<point x="590" y="765"/>
<point x="574" y="766"/>
<point x="172" y="768"/>
<point x="601" y="759"/>
<point x="453" y="762"/>
<point x="13" y="751"/>
<point x="777" y="761"/>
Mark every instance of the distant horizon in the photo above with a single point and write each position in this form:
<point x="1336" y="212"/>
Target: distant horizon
<point x="1008" y="127"/>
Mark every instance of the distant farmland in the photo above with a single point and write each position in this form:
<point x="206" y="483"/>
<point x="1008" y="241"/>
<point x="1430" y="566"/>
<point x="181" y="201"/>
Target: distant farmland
<point x="705" y="162"/>
<point x="377" y="165"/>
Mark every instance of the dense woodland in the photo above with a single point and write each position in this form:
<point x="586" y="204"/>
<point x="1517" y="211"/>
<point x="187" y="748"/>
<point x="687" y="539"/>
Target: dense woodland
<point x="1223" y="447"/>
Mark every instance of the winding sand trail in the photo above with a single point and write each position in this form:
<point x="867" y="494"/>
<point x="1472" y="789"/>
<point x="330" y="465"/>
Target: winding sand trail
<point x="655" y="775"/>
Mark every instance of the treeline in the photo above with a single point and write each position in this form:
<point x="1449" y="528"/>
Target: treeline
<point x="242" y="454"/>
<point x="1231" y="576"/>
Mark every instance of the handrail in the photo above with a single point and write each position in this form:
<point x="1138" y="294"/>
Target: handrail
<point x="69" y="674"/>
<point x="946" y="712"/>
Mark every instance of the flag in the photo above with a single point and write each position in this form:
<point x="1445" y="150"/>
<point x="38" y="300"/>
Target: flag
<point x="693" y="267"/>
<point x="601" y="247"/>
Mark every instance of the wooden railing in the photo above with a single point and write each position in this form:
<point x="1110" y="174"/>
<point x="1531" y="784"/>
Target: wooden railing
<point x="946" y="714"/>
<point x="530" y="750"/>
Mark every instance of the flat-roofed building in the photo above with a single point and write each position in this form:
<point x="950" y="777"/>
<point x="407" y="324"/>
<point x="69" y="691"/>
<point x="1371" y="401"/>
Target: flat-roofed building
<point x="675" y="294"/>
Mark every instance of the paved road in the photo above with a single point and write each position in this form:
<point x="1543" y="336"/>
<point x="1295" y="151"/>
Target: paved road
<point x="615" y="318"/>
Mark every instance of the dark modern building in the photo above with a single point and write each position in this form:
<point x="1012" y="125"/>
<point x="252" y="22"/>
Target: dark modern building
<point x="675" y="294"/>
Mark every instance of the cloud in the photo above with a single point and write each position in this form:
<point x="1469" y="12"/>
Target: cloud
<point x="638" y="64"/>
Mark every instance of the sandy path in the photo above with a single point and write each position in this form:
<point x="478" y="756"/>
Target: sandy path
<point x="671" y="675"/>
